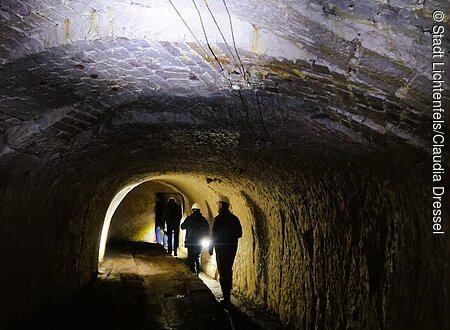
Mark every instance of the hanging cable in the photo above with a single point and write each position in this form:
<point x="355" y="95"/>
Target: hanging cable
<point x="261" y="117"/>
<point x="223" y="72"/>
<point x="234" y="41"/>
<point x="241" y="68"/>
<point x="207" y="42"/>
<point x="247" y="114"/>
<point x="246" y="78"/>
<point x="187" y="26"/>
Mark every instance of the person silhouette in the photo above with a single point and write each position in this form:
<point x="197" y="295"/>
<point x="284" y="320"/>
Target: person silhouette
<point x="197" y="229"/>
<point x="172" y="216"/>
<point x="225" y="233"/>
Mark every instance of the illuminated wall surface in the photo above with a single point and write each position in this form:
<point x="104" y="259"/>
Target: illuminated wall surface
<point x="314" y="117"/>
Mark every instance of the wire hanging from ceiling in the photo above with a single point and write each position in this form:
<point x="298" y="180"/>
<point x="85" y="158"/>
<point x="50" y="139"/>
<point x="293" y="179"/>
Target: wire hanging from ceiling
<point x="233" y="39"/>
<point x="222" y="71"/>
<point x="207" y="42"/>
<point x="249" y="83"/>
<point x="247" y="113"/>
<point x="239" y="65"/>
<point x="244" y="75"/>
<point x="187" y="26"/>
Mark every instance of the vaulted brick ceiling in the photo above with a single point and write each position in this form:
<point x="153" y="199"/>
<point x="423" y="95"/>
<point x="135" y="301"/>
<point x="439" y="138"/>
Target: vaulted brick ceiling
<point x="314" y="116"/>
<point x="358" y="70"/>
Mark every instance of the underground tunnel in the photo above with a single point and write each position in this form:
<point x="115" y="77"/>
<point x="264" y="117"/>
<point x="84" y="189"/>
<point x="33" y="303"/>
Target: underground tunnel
<point x="314" y="117"/>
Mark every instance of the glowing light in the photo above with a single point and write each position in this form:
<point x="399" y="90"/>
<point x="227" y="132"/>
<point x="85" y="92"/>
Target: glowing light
<point x="109" y="213"/>
<point x="205" y="243"/>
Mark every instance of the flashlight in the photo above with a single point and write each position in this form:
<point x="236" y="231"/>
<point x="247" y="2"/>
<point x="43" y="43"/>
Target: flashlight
<point x="205" y="243"/>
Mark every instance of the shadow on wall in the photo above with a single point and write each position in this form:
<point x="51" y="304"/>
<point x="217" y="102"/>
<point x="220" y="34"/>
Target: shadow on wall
<point x="261" y="240"/>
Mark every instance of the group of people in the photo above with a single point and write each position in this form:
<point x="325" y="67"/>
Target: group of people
<point x="224" y="235"/>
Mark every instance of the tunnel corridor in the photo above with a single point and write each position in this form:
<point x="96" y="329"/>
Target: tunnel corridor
<point x="140" y="287"/>
<point x="314" y="117"/>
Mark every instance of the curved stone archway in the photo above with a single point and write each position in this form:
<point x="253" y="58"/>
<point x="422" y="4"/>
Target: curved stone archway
<point x="315" y="120"/>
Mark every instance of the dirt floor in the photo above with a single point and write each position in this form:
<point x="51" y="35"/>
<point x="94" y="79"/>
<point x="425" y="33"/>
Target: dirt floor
<point x="139" y="286"/>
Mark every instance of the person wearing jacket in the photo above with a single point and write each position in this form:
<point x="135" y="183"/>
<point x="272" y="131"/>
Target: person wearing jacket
<point x="197" y="229"/>
<point x="225" y="233"/>
<point x="172" y="216"/>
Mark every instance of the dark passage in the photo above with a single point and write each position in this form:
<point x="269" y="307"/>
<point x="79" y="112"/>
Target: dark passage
<point x="325" y="123"/>
<point x="139" y="286"/>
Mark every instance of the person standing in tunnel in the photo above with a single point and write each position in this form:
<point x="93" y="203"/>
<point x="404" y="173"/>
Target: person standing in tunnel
<point x="225" y="233"/>
<point x="160" y="231"/>
<point x="172" y="216"/>
<point x="197" y="229"/>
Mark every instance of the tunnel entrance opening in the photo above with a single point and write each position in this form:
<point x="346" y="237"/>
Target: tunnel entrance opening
<point x="143" y="212"/>
<point x="323" y="105"/>
<point x="130" y="216"/>
<point x="123" y="221"/>
<point x="131" y="213"/>
<point x="188" y="188"/>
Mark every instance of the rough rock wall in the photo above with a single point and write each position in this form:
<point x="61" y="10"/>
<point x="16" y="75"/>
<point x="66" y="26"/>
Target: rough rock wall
<point x="323" y="247"/>
<point x="343" y="249"/>
<point x="331" y="248"/>
<point x="49" y="233"/>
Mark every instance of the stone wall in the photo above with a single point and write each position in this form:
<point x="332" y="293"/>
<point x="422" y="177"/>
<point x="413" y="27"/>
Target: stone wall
<point x="341" y="246"/>
<point x="318" y="133"/>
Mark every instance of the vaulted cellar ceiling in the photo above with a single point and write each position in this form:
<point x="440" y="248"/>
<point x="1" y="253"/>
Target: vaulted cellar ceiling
<point x="359" y="69"/>
<point x="314" y="116"/>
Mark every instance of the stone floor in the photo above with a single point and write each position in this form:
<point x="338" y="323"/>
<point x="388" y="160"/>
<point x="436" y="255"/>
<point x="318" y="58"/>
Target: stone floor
<point x="139" y="286"/>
